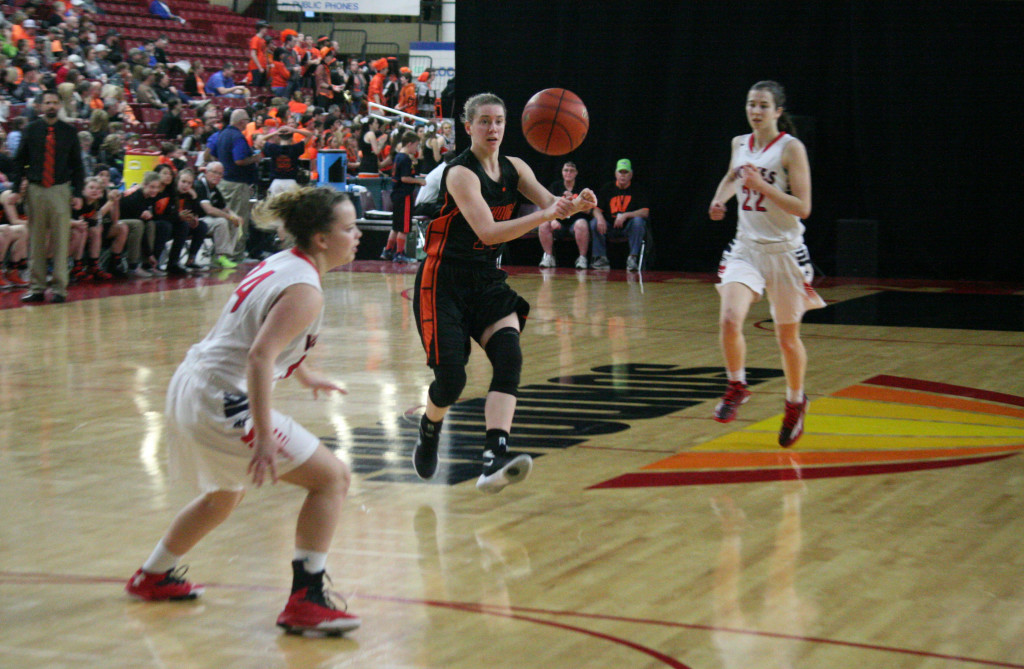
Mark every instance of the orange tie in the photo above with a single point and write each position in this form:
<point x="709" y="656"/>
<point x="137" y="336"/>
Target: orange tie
<point x="50" y="157"/>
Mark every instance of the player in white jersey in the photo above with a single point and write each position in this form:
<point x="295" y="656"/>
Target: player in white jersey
<point x="223" y="434"/>
<point x="770" y="176"/>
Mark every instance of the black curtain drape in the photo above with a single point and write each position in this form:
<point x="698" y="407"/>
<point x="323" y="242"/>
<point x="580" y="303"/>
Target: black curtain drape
<point x="911" y="112"/>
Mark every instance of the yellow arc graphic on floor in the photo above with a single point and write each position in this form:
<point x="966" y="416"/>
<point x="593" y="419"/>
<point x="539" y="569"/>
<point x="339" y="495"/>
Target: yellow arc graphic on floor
<point x="885" y="425"/>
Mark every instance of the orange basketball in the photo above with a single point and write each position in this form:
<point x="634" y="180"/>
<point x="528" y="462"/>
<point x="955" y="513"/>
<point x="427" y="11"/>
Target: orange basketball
<point x="555" y="121"/>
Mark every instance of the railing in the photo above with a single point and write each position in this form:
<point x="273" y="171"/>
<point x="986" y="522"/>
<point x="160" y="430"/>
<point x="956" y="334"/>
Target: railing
<point x="377" y="111"/>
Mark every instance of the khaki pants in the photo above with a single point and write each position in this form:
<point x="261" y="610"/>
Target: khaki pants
<point x="133" y="248"/>
<point x="223" y="233"/>
<point x="49" y="217"/>
<point x="236" y="196"/>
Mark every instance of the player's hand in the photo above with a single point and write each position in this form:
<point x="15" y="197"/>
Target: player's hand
<point x="319" y="384"/>
<point x="561" y="208"/>
<point x="586" y="200"/>
<point x="717" y="210"/>
<point x="602" y="226"/>
<point x="264" y="450"/>
<point x="751" y="177"/>
<point x="555" y="225"/>
<point x="620" y="220"/>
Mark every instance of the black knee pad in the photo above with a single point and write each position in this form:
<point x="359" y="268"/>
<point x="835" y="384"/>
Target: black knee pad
<point x="449" y="380"/>
<point x="507" y="360"/>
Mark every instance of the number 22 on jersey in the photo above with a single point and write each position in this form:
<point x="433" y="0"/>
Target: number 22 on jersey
<point x="747" y="195"/>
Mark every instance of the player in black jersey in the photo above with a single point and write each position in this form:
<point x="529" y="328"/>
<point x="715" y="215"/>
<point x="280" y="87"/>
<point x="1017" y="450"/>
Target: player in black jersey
<point x="462" y="295"/>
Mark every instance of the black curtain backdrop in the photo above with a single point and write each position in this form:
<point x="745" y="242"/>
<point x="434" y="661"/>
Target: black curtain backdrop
<point x="911" y="112"/>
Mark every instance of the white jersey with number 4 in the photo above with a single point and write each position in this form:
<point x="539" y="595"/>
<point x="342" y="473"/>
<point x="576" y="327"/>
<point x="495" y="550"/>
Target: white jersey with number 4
<point x="225" y="350"/>
<point x="760" y="219"/>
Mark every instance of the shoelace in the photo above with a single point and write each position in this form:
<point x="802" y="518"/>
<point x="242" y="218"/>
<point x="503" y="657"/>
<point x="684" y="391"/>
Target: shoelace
<point x="325" y="596"/>
<point x="792" y="414"/>
<point x="176" y="575"/>
<point x="733" y="393"/>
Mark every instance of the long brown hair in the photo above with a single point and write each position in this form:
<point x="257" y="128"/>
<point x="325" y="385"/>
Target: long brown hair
<point x="779" y="97"/>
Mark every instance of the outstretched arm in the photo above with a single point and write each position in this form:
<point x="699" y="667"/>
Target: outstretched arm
<point x="464" y="187"/>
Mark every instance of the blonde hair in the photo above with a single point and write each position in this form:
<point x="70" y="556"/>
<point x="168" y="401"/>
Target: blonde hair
<point x="300" y="213"/>
<point x="473" y="105"/>
<point x="112" y="91"/>
<point x="99" y="120"/>
<point x="66" y="92"/>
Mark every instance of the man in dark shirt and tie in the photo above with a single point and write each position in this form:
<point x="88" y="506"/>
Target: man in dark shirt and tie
<point x="50" y="157"/>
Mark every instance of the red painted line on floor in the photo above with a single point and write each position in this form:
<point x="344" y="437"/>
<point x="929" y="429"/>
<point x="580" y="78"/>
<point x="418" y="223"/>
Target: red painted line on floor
<point x="45" y="578"/>
<point x="509" y="613"/>
<point x="718" y="477"/>
<point x="774" y="635"/>
<point x="944" y="389"/>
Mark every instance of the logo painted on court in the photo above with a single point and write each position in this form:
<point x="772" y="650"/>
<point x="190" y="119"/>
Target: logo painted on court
<point x="562" y="412"/>
<point x="885" y="425"/>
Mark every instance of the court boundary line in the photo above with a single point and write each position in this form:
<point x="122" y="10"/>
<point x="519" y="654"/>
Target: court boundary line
<point x="517" y="612"/>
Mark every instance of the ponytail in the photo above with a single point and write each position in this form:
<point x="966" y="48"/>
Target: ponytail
<point x="299" y="213"/>
<point x="786" y="124"/>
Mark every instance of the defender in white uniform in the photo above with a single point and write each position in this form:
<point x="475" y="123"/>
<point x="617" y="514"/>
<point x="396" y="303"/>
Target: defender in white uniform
<point x="770" y="177"/>
<point x="209" y="425"/>
<point x="223" y="434"/>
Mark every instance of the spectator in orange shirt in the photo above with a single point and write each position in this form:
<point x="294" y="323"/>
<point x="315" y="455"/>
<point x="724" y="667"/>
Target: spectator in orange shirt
<point x="279" y="74"/>
<point x="26" y="30"/>
<point x="298" y="104"/>
<point x="325" y="89"/>
<point x="407" y="95"/>
<point x="375" y="91"/>
<point x="258" y="55"/>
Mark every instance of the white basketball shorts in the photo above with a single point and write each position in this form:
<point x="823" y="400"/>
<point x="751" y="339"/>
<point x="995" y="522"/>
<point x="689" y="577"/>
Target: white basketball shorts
<point x="209" y="433"/>
<point x="783" y="270"/>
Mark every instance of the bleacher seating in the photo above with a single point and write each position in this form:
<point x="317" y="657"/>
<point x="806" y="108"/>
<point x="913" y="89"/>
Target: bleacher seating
<point x="213" y="35"/>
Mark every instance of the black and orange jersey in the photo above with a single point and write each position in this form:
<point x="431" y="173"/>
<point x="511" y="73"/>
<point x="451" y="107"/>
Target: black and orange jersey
<point x="90" y="210"/>
<point x="449" y="236"/>
<point x="612" y="200"/>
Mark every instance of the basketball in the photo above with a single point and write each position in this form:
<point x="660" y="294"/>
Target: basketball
<point x="555" y="121"/>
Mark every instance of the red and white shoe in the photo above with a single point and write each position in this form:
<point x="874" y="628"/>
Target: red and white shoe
<point x="793" y="422"/>
<point x="310" y="609"/>
<point x="13" y="277"/>
<point x="167" y="586"/>
<point x="735" y="395"/>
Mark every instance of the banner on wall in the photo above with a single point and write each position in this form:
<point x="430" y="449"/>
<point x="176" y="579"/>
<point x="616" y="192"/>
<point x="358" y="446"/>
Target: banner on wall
<point x="403" y="7"/>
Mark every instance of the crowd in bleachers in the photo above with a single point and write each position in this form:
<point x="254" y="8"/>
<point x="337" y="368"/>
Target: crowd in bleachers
<point x="134" y="82"/>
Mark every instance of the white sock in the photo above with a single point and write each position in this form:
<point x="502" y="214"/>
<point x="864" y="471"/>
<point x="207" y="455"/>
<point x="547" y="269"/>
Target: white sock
<point x="739" y="375"/>
<point x="794" y="395"/>
<point x="312" y="562"/>
<point x="160" y="560"/>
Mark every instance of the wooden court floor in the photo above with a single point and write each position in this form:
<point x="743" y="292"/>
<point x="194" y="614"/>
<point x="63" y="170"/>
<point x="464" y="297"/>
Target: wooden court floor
<point x="647" y="536"/>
